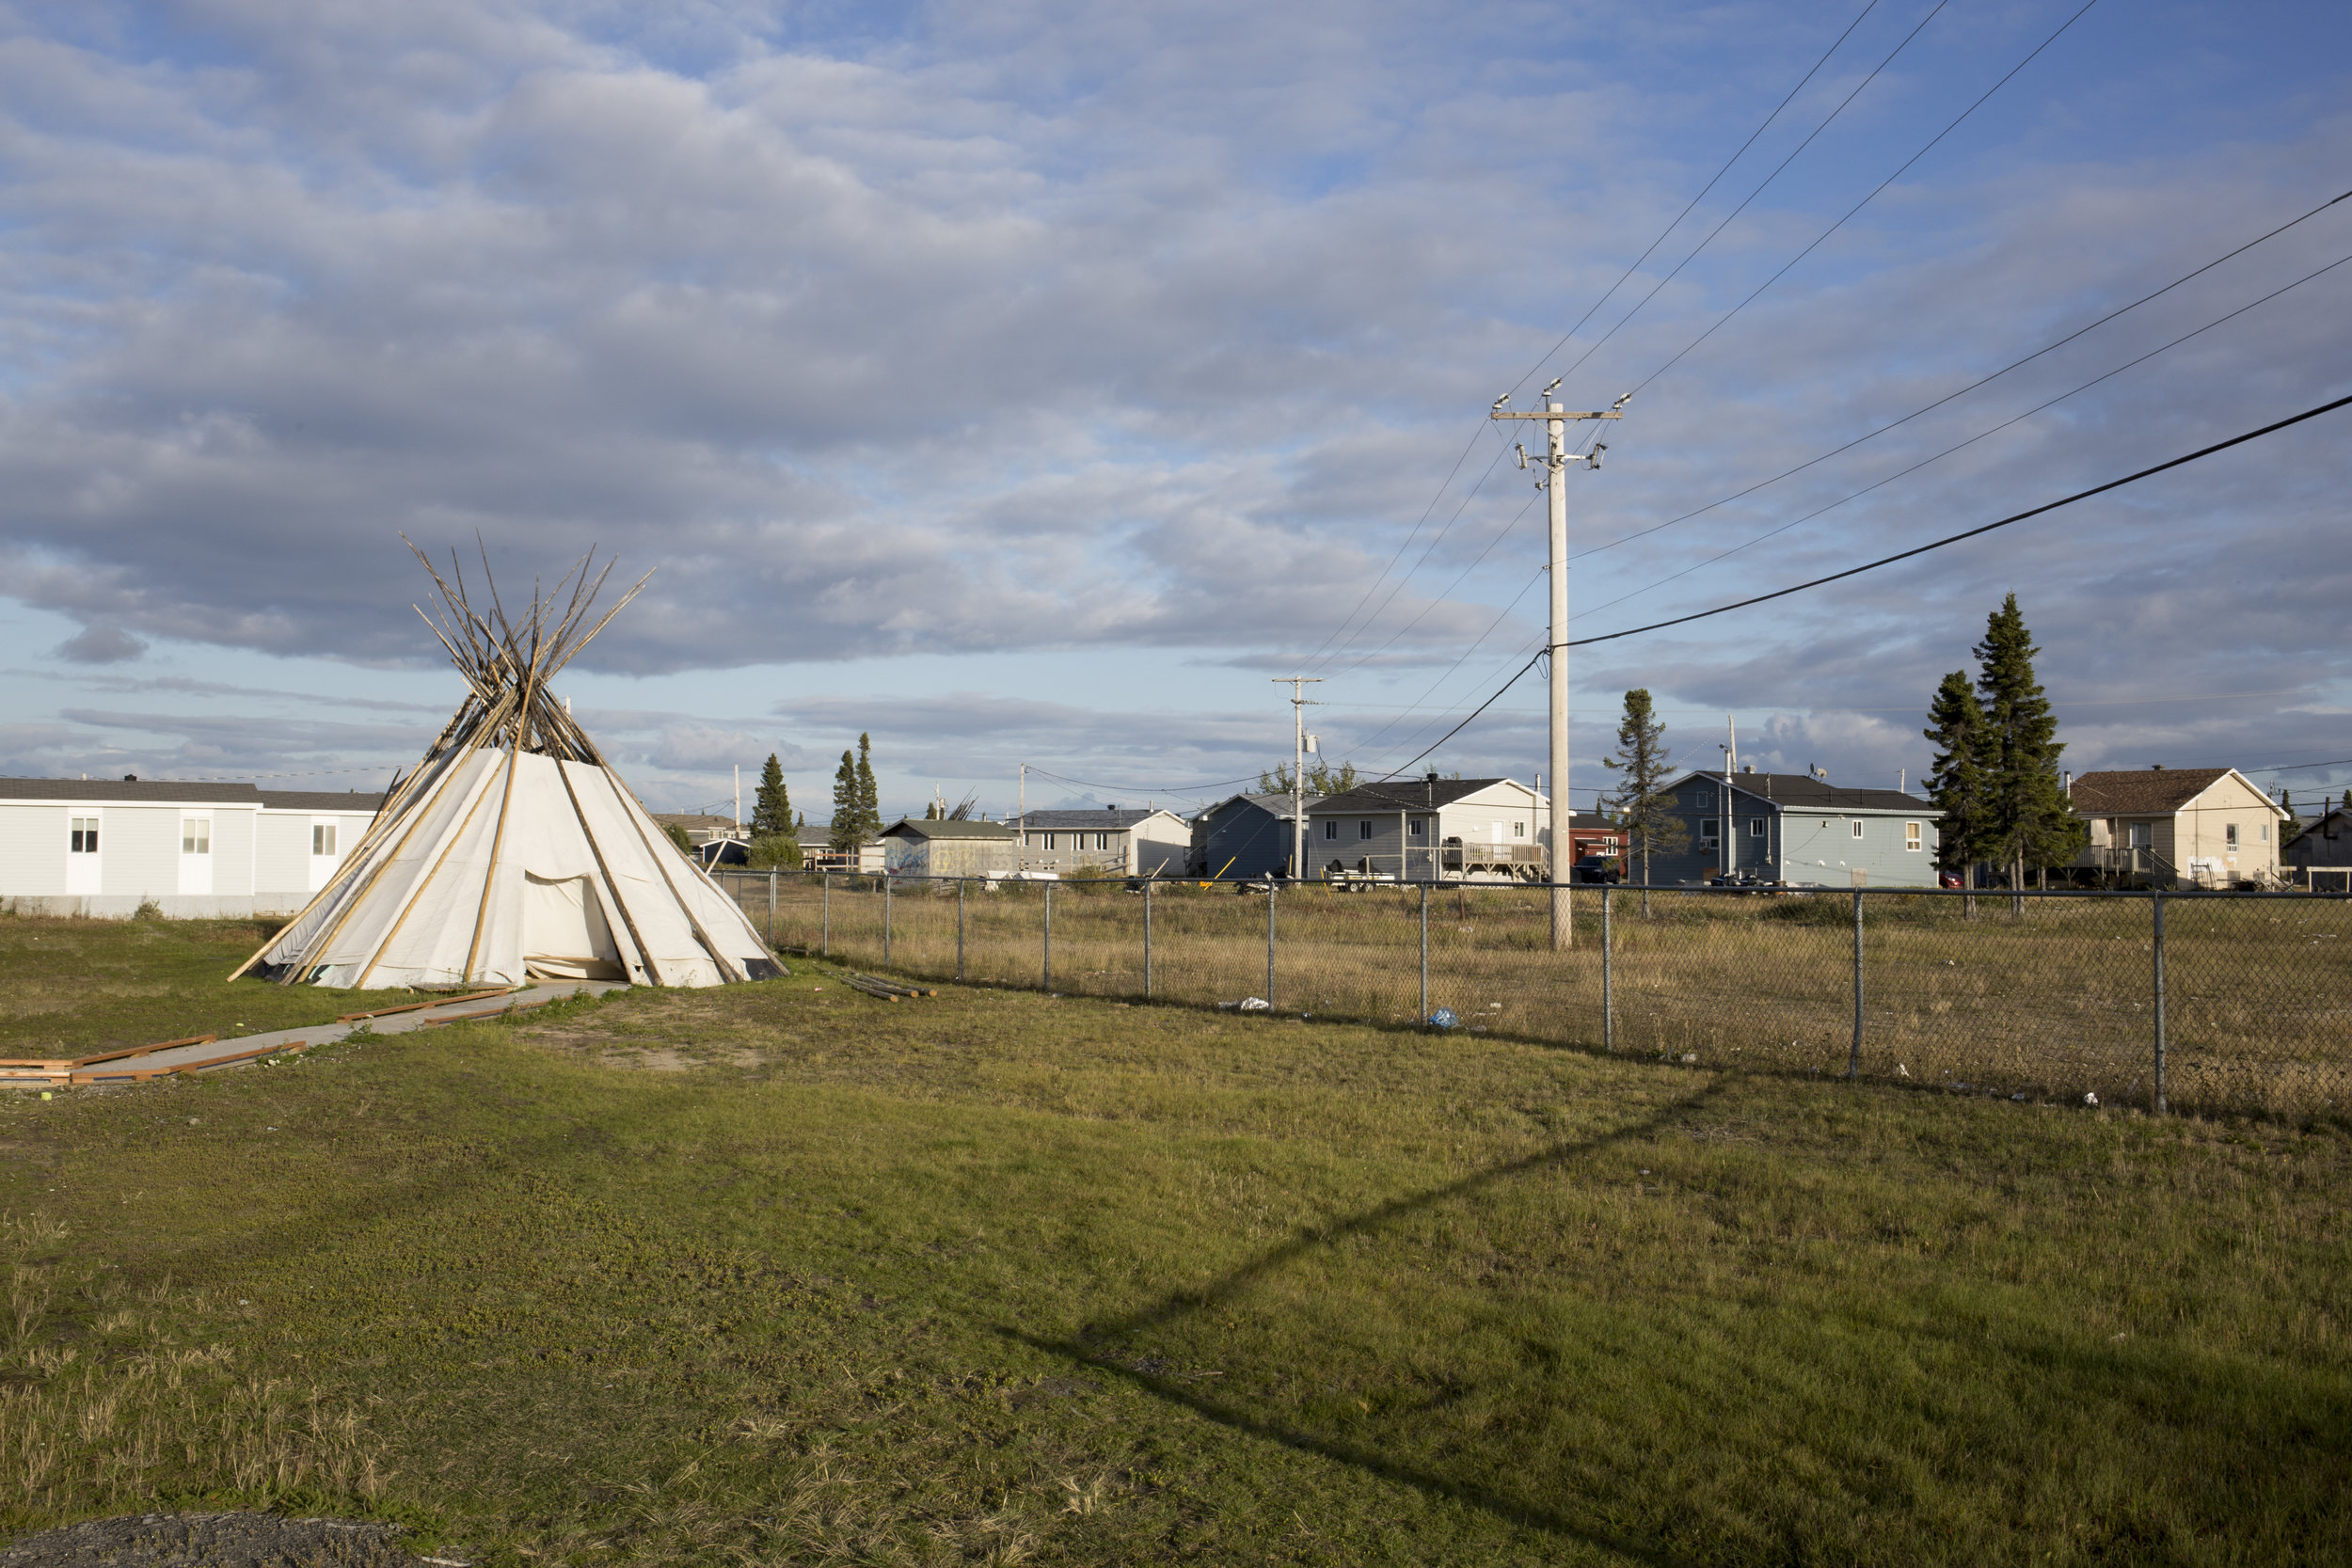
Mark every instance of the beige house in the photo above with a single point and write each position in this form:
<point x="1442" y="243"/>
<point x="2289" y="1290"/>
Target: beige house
<point x="2187" y="827"/>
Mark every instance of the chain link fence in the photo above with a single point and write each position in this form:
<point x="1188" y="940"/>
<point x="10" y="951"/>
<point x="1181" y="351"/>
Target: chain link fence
<point x="2207" y="1000"/>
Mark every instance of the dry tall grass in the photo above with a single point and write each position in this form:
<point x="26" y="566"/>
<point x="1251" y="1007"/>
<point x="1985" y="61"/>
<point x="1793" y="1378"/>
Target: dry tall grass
<point x="2052" y="999"/>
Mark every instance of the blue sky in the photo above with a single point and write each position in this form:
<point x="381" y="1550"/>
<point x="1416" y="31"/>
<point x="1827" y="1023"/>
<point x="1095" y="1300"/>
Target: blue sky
<point x="1031" y="383"/>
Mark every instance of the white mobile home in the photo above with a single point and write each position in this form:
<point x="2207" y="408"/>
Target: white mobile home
<point x="105" y="848"/>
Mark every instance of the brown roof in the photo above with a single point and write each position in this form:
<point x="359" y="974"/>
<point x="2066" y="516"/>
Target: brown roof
<point x="2143" y="791"/>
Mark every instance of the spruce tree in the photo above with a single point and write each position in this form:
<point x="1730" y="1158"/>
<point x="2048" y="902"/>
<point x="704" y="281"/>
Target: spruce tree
<point x="1956" y="781"/>
<point x="869" y="797"/>
<point x="848" y="817"/>
<point x="2027" y="820"/>
<point x="771" y="812"/>
<point x="1643" y="758"/>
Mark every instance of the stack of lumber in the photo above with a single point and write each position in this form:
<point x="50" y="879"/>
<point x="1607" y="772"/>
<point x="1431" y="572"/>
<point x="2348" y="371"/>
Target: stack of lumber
<point x="889" y="990"/>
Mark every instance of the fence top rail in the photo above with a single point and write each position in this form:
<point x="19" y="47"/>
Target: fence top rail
<point x="1792" y="890"/>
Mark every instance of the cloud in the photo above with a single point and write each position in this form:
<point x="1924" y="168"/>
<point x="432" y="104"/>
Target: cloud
<point x="100" y="645"/>
<point x="1023" y="328"/>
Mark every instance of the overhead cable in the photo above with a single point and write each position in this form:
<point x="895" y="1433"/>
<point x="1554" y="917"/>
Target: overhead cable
<point x="1868" y="199"/>
<point x="1971" y="533"/>
<point x="1980" y="381"/>
<point x="1903" y="555"/>
<point x="1472" y="445"/>
<point x="1776" y="532"/>
<point x="1728" y="217"/>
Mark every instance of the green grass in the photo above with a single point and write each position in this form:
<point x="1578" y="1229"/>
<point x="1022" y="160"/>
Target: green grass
<point x="76" y="985"/>
<point x="785" y="1273"/>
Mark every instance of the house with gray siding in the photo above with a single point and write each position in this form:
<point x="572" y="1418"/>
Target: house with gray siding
<point x="1796" y="829"/>
<point x="1151" y="842"/>
<point x="1431" y="829"/>
<point x="1245" y="836"/>
<point x="933" y="847"/>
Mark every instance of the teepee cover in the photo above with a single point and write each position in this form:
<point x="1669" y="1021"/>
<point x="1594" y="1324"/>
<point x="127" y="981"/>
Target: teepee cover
<point x="512" y="851"/>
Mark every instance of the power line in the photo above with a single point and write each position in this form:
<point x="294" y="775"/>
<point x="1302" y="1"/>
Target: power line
<point x="1971" y="533"/>
<point x="1868" y="199"/>
<point x="1774" y="533"/>
<point x="1903" y="555"/>
<point x="1472" y="445"/>
<point x="1537" y="368"/>
<point x="1750" y="197"/>
<point x="2046" y="348"/>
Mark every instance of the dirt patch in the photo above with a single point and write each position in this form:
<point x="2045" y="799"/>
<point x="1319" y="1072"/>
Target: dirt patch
<point x="212" y="1541"/>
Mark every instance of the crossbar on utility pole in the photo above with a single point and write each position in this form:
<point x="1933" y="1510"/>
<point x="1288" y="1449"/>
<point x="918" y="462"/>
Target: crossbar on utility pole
<point x="1555" y="463"/>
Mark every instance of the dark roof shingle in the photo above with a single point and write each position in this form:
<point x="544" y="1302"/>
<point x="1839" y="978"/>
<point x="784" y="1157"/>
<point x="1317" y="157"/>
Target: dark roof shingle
<point x="1400" y="795"/>
<point x="2138" y="791"/>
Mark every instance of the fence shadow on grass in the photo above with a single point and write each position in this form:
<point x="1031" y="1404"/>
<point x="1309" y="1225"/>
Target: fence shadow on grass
<point x="1088" y="1350"/>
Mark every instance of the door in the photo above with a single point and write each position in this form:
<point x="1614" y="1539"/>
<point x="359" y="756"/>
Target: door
<point x="564" y="934"/>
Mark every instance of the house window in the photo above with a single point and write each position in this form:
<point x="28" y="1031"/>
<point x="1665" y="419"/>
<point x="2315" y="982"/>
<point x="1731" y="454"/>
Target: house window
<point x="2265" y="833"/>
<point x="1102" y="841"/>
<point x="1421" y="826"/>
<point x="2229" y="837"/>
<point x="1363" y="828"/>
<point x="1519" y="830"/>
<point x="322" y="838"/>
<point x="1910" y="835"/>
<point x="196" y="835"/>
<point x="1711" y="832"/>
<point x="1755" y="826"/>
<point x="1856" y="825"/>
<point x="86" y="835"/>
<point x="1331" y="829"/>
<point x="1049" y="841"/>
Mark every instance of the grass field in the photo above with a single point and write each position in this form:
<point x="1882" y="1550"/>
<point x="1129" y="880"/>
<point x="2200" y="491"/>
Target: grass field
<point x="2056" y="1001"/>
<point x="76" y="986"/>
<point x="785" y="1273"/>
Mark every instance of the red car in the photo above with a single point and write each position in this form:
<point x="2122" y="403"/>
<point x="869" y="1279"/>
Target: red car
<point x="1950" y="878"/>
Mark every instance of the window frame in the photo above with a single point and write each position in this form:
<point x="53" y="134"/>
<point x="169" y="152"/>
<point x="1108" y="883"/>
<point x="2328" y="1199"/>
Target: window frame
<point x="1856" y="824"/>
<point x="196" y="835"/>
<point x="1755" y="826"/>
<point x="2229" y="838"/>
<point x="1710" y="833"/>
<point x="1331" y="829"/>
<point x="322" y="839"/>
<point x="1914" y="837"/>
<point x="81" y="835"/>
<point x="1363" y="828"/>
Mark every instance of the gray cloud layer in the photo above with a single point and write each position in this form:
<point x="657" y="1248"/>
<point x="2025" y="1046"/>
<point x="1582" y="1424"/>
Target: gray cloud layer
<point x="1033" y="326"/>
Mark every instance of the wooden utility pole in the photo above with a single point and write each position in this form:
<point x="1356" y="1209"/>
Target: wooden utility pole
<point x="1555" y="463"/>
<point x="1300" y="703"/>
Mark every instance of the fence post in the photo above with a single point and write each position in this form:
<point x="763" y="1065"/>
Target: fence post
<point x="2156" y="907"/>
<point x="887" y="880"/>
<point x="1854" y="1059"/>
<point x="1424" y="952"/>
<point x="1608" y="976"/>
<point x="1269" y="942"/>
<point x="1049" y="936"/>
<point x="825" y="946"/>
<point x="773" y="874"/>
<point x="1147" y="942"/>
<point x="962" y="884"/>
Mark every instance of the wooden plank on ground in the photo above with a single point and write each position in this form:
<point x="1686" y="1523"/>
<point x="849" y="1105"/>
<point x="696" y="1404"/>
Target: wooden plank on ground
<point x="67" y="1064"/>
<point x="418" y="1007"/>
<point x="144" y="1074"/>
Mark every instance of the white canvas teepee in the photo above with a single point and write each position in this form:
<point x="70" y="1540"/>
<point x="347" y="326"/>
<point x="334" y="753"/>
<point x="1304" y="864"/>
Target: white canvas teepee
<point x="512" y="851"/>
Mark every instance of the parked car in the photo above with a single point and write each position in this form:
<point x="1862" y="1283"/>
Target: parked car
<point x="1950" y="878"/>
<point x="1597" y="869"/>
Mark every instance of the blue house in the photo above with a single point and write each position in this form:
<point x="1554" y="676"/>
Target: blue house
<point x="1245" y="836"/>
<point x="1796" y="829"/>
